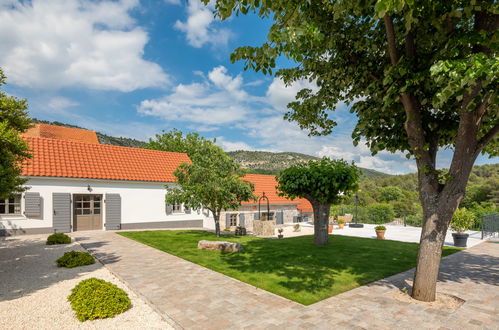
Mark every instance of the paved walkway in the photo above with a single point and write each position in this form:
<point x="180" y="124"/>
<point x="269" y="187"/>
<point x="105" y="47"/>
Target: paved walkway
<point x="393" y="232"/>
<point x="198" y="298"/>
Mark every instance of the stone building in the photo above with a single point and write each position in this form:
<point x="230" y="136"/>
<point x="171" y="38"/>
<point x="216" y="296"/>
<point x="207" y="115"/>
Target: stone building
<point x="281" y="209"/>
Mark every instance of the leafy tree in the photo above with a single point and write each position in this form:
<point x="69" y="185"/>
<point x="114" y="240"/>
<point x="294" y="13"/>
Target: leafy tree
<point x="212" y="180"/>
<point x="321" y="183"/>
<point x="390" y="193"/>
<point x="13" y="150"/>
<point x="380" y="213"/>
<point x="431" y="65"/>
<point x="192" y="144"/>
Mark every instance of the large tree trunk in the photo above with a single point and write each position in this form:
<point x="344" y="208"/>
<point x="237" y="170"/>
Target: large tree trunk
<point x="321" y="221"/>
<point x="438" y="209"/>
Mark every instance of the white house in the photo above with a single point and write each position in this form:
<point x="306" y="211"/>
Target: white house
<point x="75" y="183"/>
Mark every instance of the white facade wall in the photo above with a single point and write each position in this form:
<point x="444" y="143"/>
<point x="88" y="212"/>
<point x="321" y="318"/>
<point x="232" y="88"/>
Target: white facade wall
<point x="141" y="202"/>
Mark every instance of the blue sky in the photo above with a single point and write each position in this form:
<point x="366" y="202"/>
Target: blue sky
<point x="133" y="68"/>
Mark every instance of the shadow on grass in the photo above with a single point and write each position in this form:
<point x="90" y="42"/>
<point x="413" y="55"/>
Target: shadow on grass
<point x="293" y="267"/>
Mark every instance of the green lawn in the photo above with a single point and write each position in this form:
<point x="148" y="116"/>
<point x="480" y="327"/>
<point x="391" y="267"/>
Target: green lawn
<point x="293" y="267"/>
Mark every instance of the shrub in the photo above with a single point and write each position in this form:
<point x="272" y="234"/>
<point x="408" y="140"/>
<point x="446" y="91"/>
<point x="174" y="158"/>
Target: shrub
<point x="58" y="238"/>
<point x="97" y="299"/>
<point x="380" y="213"/>
<point x="72" y="259"/>
<point x="380" y="228"/>
<point x="414" y="220"/>
<point x="462" y="220"/>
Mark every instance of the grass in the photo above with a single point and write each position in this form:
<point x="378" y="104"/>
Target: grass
<point x="293" y="268"/>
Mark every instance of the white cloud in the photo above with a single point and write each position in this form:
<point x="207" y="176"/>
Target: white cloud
<point x="279" y="95"/>
<point x="60" y="43"/>
<point x="60" y="103"/>
<point x="216" y="101"/>
<point x="221" y="101"/>
<point x="199" y="27"/>
<point x="232" y="145"/>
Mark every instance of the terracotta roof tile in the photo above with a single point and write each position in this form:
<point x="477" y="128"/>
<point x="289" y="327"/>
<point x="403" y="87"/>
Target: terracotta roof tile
<point x="62" y="133"/>
<point x="60" y="158"/>
<point x="268" y="183"/>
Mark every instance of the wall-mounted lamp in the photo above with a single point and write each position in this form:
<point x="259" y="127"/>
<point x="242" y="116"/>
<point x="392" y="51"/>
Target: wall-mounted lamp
<point x="89" y="188"/>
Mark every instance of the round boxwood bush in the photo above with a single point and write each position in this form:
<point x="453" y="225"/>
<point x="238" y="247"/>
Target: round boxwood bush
<point x="72" y="259"/>
<point x="59" y="238"/>
<point x="94" y="298"/>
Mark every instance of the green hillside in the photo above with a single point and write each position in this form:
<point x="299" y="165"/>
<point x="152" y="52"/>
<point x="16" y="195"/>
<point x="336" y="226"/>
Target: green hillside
<point x="264" y="162"/>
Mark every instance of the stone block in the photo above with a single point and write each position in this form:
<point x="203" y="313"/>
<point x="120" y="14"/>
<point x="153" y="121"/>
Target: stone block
<point x="219" y="245"/>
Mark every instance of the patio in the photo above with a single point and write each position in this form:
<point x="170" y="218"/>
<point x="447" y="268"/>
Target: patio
<point x="393" y="232"/>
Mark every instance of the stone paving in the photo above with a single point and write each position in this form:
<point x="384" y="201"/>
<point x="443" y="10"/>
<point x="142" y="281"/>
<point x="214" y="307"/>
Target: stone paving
<point x="194" y="297"/>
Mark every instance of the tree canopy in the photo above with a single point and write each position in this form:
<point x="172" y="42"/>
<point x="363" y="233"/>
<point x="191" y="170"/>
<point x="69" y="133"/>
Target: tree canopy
<point x="322" y="183"/>
<point x="212" y="180"/>
<point x="13" y="150"/>
<point x="431" y="65"/>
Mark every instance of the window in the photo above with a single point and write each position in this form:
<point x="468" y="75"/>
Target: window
<point x="268" y="216"/>
<point x="177" y="208"/>
<point x="233" y="219"/>
<point x="11" y="205"/>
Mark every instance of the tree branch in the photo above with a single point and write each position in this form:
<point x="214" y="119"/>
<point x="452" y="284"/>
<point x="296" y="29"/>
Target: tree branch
<point x="390" y="36"/>
<point x="487" y="138"/>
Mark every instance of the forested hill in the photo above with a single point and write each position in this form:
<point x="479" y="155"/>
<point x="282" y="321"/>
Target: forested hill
<point x="264" y="162"/>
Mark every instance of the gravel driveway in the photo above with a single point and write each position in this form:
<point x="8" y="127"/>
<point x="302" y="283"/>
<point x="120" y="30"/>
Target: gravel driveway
<point x="33" y="290"/>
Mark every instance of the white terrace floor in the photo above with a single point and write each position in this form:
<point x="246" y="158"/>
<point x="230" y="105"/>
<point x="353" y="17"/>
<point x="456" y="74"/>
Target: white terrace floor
<point x="393" y="232"/>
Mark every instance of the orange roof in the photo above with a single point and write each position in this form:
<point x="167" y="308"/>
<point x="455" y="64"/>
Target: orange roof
<point x="62" y="133"/>
<point x="268" y="183"/>
<point x="68" y="159"/>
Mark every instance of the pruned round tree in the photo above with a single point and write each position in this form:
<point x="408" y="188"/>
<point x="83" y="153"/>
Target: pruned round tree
<point x="322" y="183"/>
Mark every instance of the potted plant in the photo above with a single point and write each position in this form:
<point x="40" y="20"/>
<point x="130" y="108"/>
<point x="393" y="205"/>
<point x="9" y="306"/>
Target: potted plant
<point x="296" y="228"/>
<point x="341" y="223"/>
<point x="280" y="230"/>
<point x="263" y="218"/>
<point x="380" y="232"/>
<point x="462" y="220"/>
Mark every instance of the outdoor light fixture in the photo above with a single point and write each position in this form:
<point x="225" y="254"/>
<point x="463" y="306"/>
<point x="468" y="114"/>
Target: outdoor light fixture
<point x="89" y="188"/>
<point x="355" y="224"/>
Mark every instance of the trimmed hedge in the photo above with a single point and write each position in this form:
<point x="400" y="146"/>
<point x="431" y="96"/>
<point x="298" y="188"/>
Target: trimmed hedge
<point x="94" y="298"/>
<point x="73" y="259"/>
<point x="59" y="238"/>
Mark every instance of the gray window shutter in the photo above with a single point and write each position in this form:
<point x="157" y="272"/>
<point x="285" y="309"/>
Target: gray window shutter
<point x="32" y="205"/>
<point x="257" y="216"/>
<point x="61" y="220"/>
<point x="168" y="209"/>
<point x="113" y="211"/>
<point x="187" y="210"/>
<point x="227" y="220"/>
<point x="241" y="219"/>
<point x="280" y="218"/>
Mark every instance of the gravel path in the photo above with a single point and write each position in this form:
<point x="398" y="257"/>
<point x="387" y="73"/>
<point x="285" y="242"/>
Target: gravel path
<point x="33" y="290"/>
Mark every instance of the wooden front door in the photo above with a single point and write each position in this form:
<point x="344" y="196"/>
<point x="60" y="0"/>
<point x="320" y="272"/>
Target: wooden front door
<point x="87" y="212"/>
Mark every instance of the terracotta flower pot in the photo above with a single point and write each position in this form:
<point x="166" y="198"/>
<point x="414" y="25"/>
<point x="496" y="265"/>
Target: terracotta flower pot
<point x="341" y="225"/>
<point x="329" y="229"/>
<point x="380" y="234"/>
